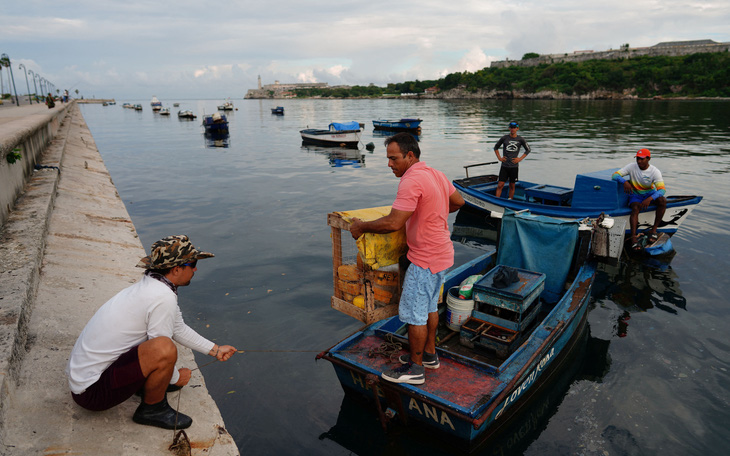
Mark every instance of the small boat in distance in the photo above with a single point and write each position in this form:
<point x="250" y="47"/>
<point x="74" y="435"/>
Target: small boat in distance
<point x="176" y="105"/>
<point x="279" y="110"/>
<point x="397" y="125"/>
<point x="155" y="103"/>
<point x="215" y="123"/>
<point x="165" y="111"/>
<point x="112" y="102"/>
<point x="138" y="107"/>
<point x="186" y="114"/>
<point x="128" y="105"/>
<point x="345" y="134"/>
<point x="592" y="194"/>
<point x="226" y="106"/>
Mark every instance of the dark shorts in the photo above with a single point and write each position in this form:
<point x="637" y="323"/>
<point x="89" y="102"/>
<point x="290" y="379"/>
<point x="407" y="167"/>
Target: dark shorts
<point x="117" y="384"/>
<point x="508" y="174"/>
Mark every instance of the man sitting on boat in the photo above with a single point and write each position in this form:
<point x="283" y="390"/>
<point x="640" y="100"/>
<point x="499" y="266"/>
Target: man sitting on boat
<point x="423" y="202"/>
<point x="645" y="186"/>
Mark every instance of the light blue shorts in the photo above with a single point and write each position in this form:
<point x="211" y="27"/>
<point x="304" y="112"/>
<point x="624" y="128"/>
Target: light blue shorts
<point x="420" y="295"/>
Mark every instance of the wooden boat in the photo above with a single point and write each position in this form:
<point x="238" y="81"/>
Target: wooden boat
<point x="514" y="342"/>
<point x="279" y="110"/>
<point x="165" y="111"/>
<point x="397" y="125"/>
<point x="226" y="106"/>
<point x="215" y="123"/>
<point x="593" y="193"/>
<point x="186" y="114"/>
<point x="345" y="134"/>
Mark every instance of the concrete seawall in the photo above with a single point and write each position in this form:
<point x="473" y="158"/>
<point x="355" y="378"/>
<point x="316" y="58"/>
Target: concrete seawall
<point x="67" y="246"/>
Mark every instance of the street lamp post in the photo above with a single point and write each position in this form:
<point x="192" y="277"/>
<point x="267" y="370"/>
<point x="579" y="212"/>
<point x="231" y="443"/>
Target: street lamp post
<point x="10" y="67"/>
<point x="22" y="67"/>
<point x="34" y="86"/>
<point x="42" y="80"/>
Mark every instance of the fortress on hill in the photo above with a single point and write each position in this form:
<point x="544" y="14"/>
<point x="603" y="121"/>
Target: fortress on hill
<point x="670" y="48"/>
<point x="278" y="90"/>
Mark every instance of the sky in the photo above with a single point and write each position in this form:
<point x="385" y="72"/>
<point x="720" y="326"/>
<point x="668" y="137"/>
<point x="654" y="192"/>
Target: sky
<point x="132" y="49"/>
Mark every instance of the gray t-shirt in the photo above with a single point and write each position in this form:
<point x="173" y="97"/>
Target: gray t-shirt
<point x="511" y="149"/>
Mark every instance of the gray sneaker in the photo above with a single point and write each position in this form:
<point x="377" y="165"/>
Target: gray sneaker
<point x="430" y="360"/>
<point x="407" y="373"/>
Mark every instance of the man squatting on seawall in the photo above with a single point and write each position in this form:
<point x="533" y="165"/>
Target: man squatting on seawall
<point x="509" y="170"/>
<point x="645" y="186"/>
<point x="127" y="347"/>
<point x="424" y="199"/>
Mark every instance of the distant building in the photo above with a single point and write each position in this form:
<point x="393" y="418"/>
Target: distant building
<point x="671" y="48"/>
<point x="278" y="90"/>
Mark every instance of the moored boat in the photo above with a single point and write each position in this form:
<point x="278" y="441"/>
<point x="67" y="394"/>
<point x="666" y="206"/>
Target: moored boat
<point x="137" y="107"/>
<point x="226" y="106"/>
<point x="593" y="193"/>
<point x="513" y="341"/>
<point x="155" y="103"/>
<point x="397" y="125"/>
<point x="128" y="105"/>
<point x="215" y="123"/>
<point x="176" y="105"/>
<point x="165" y="111"/>
<point x="339" y="134"/>
<point x="279" y="110"/>
<point x="186" y="114"/>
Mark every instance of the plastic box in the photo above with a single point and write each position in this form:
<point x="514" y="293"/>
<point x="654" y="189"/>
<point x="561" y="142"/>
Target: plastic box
<point x="516" y="297"/>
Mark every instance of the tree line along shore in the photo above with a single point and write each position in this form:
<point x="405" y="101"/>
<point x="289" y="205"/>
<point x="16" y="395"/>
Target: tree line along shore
<point x="701" y="75"/>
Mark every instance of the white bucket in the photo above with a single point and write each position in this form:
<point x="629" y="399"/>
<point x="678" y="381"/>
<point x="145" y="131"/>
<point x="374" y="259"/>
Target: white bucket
<point x="457" y="310"/>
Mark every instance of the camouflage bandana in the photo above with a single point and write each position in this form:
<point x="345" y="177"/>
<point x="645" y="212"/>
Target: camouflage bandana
<point x="170" y="252"/>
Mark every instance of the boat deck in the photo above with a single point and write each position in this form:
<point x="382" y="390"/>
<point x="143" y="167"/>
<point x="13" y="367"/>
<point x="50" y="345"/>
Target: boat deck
<point x="454" y="381"/>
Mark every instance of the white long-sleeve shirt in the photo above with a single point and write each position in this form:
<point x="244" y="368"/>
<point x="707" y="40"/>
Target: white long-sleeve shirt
<point x="143" y="311"/>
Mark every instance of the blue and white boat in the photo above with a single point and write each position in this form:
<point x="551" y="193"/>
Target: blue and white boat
<point x="515" y="341"/>
<point x="593" y="193"/>
<point x="397" y="125"/>
<point x="215" y="123"/>
<point x="339" y="134"/>
<point x="155" y="103"/>
<point x="279" y="110"/>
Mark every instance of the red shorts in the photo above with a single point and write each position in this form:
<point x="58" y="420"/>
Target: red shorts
<point x="117" y="384"/>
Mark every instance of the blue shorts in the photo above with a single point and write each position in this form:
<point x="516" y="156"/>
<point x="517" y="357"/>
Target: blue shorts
<point x="636" y="198"/>
<point x="420" y="295"/>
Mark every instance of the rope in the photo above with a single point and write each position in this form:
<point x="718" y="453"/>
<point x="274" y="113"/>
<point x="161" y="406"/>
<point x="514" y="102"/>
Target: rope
<point x="390" y="348"/>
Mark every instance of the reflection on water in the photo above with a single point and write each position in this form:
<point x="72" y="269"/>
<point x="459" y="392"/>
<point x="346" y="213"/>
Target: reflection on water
<point x="338" y="157"/>
<point x="213" y="140"/>
<point x="388" y="133"/>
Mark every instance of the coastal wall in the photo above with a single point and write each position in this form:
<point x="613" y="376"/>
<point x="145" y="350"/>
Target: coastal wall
<point x="615" y="54"/>
<point x="30" y="139"/>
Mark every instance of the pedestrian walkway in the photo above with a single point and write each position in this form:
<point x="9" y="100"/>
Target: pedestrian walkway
<point x="91" y="249"/>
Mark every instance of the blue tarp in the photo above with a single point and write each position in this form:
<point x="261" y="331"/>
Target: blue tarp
<point x="540" y="244"/>
<point x="341" y="126"/>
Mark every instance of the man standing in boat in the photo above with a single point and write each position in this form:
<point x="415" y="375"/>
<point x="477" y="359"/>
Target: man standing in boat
<point x="423" y="202"/>
<point x="127" y="347"/>
<point x="510" y="158"/>
<point x="645" y="186"/>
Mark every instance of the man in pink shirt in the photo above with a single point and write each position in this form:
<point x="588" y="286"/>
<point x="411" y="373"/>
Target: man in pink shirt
<point x="424" y="200"/>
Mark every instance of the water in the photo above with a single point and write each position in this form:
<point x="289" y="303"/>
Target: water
<point x="653" y="374"/>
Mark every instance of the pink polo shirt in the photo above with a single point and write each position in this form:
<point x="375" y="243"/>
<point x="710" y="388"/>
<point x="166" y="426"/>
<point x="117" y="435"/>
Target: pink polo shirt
<point x="425" y="191"/>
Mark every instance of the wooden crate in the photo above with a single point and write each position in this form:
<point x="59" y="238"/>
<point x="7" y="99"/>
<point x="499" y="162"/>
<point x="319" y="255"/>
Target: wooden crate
<point x="380" y="288"/>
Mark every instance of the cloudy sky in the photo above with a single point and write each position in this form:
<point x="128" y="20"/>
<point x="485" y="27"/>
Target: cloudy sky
<point x="217" y="49"/>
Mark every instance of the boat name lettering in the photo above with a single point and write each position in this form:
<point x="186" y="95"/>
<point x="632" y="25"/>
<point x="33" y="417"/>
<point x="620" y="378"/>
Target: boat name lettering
<point x="527" y="382"/>
<point x="358" y="380"/>
<point x="431" y="412"/>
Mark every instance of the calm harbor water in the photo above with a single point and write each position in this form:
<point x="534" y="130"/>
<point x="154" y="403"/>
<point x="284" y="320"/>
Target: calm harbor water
<point x="652" y="375"/>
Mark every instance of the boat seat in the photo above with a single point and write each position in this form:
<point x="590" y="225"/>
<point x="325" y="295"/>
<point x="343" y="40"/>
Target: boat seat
<point x="560" y="195"/>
